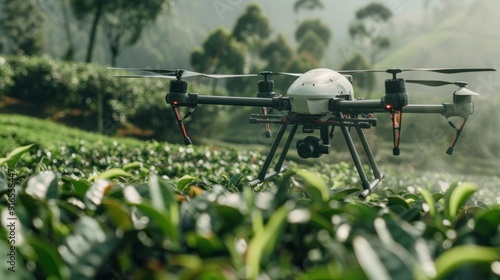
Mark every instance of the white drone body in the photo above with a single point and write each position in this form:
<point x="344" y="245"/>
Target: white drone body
<point x="311" y="92"/>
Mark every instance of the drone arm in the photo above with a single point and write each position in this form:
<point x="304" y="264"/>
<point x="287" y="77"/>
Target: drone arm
<point x="455" y="109"/>
<point x="193" y="99"/>
<point x="376" y="106"/>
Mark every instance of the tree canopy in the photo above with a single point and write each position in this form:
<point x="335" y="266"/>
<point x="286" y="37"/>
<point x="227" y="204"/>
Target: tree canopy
<point x="124" y="20"/>
<point x="21" y="27"/>
<point x="366" y="29"/>
<point x="252" y="24"/>
<point x="307" y="5"/>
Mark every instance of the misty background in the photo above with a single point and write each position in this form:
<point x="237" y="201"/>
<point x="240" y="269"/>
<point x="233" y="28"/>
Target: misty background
<point x="426" y="33"/>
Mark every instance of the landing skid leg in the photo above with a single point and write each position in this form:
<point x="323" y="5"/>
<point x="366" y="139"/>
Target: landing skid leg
<point x="367" y="186"/>
<point x="279" y="168"/>
<point x="373" y="165"/>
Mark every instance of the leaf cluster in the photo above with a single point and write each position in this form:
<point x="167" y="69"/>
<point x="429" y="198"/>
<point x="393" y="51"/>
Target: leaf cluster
<point x="108" y="225"/>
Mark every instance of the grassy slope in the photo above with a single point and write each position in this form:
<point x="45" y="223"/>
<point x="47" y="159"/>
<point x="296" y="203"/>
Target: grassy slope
<point x="21" y="130"/>
<point x="18" y="130"/>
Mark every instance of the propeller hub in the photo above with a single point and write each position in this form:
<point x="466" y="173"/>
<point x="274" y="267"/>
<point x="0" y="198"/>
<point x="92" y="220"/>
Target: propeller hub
<point x="266" y="75"/>
<point x="179" y="73"/>
<point x="394" y="72"/>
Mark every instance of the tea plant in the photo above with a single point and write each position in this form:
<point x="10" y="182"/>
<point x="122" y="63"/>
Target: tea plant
<point x="122" y="223"/>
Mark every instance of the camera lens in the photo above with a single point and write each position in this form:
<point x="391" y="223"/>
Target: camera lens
<point x="305" y="149"/>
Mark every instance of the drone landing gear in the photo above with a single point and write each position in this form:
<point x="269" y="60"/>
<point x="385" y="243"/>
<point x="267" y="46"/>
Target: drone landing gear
<point x="342" y="121"/>
<point x="278" y="168"/>
<point x="458" y="131"/>
<point x="187" y="140"/>
<point x="378" y="176"/>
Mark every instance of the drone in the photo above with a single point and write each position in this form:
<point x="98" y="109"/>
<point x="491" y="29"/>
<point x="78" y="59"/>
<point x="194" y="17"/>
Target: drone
<point x="321" y="100"/>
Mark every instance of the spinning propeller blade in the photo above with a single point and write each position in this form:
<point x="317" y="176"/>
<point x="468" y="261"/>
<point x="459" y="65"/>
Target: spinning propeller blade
<point x="145" y="76"/>
<point x="434" y="83"/>
<point x="437" y="70"/>
<point x="450" y="70"/>
<point x="288" y="74"/>
<point x="157" y="71"/>
<point x="461" y="91"/>
<point x="179" y="73"/>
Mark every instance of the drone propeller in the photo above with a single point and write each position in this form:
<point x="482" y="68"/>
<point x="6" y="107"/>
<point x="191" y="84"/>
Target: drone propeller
<point x="437" y="70"/>
<point x="434" y="83"/>
<point x="176" y="74"/>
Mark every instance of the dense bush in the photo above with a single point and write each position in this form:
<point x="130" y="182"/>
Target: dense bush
<point x="6" y="74"/>
<point x="72" y="151"/>
<point x="62" y="86"/>
<point x="117" y="224"/>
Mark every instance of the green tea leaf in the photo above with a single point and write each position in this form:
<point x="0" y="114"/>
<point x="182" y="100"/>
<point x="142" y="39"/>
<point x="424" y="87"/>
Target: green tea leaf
<point x="205" y="245"/>
<point x="44" y="186"/>
<point x="338" y="195"/>
<point x="266" y="237"/>
<point x="4" y="185"/>
<point x="162" y="220"/>
<point x="118" y="215"/>
<point x="132" y="165"/>
<point x="95" y="194"/>
<point x="39" y="165"/>
<point x="87" y="248"/>
<point x="314" y="184"/>
<point x="463" y="255"/>
<point x="156" y="194"/>
<point x="369" y="260"/>
<point x="79" y="186"/>
<point x="457" y="198"/>
<point x="487" y="223"/>
<point x="429" y="199"/>
<point x="14" y="156"/>
<point x="49" y="260"/>
<point x="184" y="182"/>
<point x="112" y="173"/>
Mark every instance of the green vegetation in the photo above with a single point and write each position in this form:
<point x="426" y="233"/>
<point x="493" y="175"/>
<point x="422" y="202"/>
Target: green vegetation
<point x="90" y="206"/>
<point x="85" y="205"/>
<point x="88" y="96"/>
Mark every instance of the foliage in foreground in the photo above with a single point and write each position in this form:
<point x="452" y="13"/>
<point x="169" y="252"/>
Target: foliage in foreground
<point x="115" y="224"/>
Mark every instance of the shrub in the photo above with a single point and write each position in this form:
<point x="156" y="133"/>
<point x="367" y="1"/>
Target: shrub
<point x="59" y="85"/>
<point x="117" y="223"/>
<point x="6" y="74"/>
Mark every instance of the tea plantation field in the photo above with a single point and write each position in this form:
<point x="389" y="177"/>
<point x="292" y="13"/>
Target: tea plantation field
<point x="77" y="205"/>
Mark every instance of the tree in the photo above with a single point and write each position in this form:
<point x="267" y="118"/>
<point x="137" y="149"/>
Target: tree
<point x="70" y="51"/>
<point x="219" y="52"/>
<point x="124" y="26"/>
<point x="363" y="81"/>
<point x="277" y="53"/>
<point x="84" y="9"/>
<point x="312" y="44"/>
<point x="307" y="5"/>
<point x="302" y="62"/>
<point x="313" y="36"/>
<point x="375" y="11"/>
<point x="22" y="28"/>
<point x="252" y="26"/>
<point x="316" y="26"/>
<point x="111" y="11"/>
<point x="366" y="31"/>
